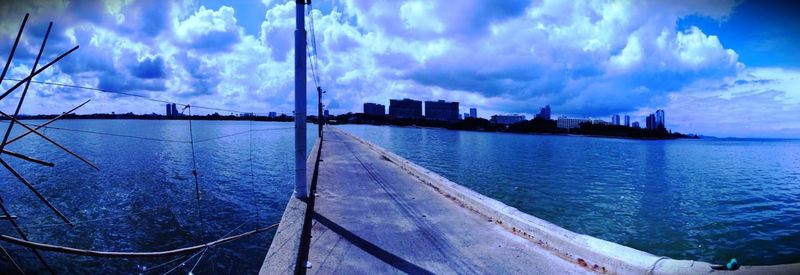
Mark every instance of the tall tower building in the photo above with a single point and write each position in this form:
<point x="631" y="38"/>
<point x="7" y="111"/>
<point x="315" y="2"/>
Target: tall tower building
<point x="651" y="122"/>
<point x="473" y="112"/>
<point x="660" y="122"/>
<point x="615" y="120"/>
<point x="627" y="121"/>
<point x="544" y="113"/>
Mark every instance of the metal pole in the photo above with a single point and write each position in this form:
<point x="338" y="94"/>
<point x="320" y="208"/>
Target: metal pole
<point x="300" y="181"/>
<point x="319" y="110"/>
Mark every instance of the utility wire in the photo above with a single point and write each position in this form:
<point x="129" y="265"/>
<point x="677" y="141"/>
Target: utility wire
<point x="132" y="95"/>
<point x="150" y="138"/>
<point x="313" y="61"/>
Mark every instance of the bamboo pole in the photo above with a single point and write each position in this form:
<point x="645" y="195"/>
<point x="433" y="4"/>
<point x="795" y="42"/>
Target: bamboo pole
<point x="13" y="48"/>
<point x="28" y="78"/>
<point x="115" y="254"/>
<point x="14" y="120"/>
<point x="13" y="262"/>
<point x="47" y="123"/>
<point x="25" y="90"/>
<point x="30" y="186"/>
<point x="24" y="157"/>
<point x="22" y="234"/>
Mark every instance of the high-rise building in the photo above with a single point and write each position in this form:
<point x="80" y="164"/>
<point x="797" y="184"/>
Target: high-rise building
<point x="175" y="110"/>
<point x="615" y="120"/>
<point x="325" y="113"/>
<point x="405" y="108"/>
<point x="473" y="112"/>
<point x="627" y="121"/>
<point x="460" y="117"/>
<point x="441" y="110"/>
<point x="169" y="109"/>
<point x="272" y="114"/>
<point x="660" y="122"/>
<point x="507" y="119"/>
<point x="651" y="122"/>
<point x="635" y="124"/>
<point x="466" y="115"/>
<point x="374" y="109"/>
<point x="544" y="113"/>
<point x="569" y="123"/>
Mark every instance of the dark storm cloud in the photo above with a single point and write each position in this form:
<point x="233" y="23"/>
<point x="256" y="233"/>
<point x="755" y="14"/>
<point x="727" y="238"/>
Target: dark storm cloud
<point x="149" y="68"/>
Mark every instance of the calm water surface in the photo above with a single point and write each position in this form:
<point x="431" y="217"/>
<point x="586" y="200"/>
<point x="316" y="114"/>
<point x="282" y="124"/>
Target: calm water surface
<point x="143" y="199"/>
<point x="708" y="200"/>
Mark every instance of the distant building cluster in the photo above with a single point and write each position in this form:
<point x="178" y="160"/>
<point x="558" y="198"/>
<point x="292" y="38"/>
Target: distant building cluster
<point x="413" y="109"/>
<point x="652" y="121"/>
<point x="569" y="123"/>
<point x="656" y="121"/>
<point x="507" y="119"/>
<point x="172" y="110"/>
<point x="449" y="111"/>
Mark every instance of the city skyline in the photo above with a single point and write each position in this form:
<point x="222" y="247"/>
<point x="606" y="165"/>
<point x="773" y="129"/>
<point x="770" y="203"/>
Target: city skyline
<point x="691" y="60"/>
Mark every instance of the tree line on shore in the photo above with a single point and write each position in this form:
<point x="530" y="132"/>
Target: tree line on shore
<point x="534" y="126"/>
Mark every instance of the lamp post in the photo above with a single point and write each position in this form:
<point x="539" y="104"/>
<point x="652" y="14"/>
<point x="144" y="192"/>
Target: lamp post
<point x="319" y="109"/>
<point x="300" y="181"/>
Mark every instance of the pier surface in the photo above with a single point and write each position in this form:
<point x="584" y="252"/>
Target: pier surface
<point x="376" y="212"/>
<point x="372" y="216"/>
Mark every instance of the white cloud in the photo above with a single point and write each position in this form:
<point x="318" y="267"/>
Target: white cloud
<point x="420" y="16"/>
<point x="758" y="102"/>
<point x="583" y="58"/>
<point x="630" y="55"/>
<point x="209" y="29"/>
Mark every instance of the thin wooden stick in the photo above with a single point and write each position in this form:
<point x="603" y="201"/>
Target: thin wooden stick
<point x="48" y="139"/>
<point x="24" y="157"/>
<point x="41" y="197"/>
<point x="13" y="262"/>
<point x="27" y="85"/>
<point x="47" y="123"/>
<point x="113" y="254"/>
<point x="13" y="48"/>
<point x="22" y="234"/>
<point x="28" y="78"/>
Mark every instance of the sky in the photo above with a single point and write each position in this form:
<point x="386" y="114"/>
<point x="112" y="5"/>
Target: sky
<point x="720" y="68"/>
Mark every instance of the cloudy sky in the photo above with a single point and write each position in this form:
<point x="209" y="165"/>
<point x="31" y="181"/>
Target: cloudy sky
<point x="724" y="68"/>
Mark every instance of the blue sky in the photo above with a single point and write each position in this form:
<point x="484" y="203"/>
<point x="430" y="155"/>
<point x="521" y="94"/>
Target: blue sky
<point x="724" y="68"/>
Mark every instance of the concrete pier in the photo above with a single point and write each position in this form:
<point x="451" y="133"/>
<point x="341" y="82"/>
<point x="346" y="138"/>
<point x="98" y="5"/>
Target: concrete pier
<point x="376" y="212"/>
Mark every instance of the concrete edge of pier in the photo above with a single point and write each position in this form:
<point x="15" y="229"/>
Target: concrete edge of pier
<point x="285" y="248"/>
<point x="592" y="253"/>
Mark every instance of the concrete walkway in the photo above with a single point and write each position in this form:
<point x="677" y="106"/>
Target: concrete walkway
<point x="371" y="216"/>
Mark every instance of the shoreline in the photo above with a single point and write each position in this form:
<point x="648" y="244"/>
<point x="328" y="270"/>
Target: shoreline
<point x="528" y="133"/>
